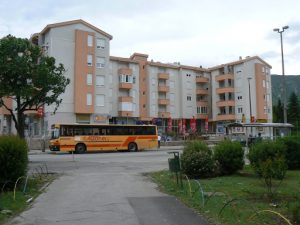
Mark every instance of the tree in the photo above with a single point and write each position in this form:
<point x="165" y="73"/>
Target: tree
<point x="293" y="110"/>
<point x="278" y="112"/>
<point x="29" y="78"/>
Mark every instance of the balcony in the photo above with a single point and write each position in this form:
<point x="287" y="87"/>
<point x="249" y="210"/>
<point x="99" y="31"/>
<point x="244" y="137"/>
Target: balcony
<point x="125" y="85"/>
<point x="227" y="76"/>
<point x="226" y="117"/>
<point x="126" y="71"/>
<point x="225" y="90"/>
<point x="163" y="76"/>
<point x="125" y="99"/>
<point x="202" y="103"/>
<point x="226" y="103"/>
<point x="201" y="91"/>
<point x="163" y="101"/>
<point x="125" y="113"/>
<point x="164" y="114"/>
<point x="201" y="116"/>
<point x="163" y="89"/>
<point x="201" y="80"/>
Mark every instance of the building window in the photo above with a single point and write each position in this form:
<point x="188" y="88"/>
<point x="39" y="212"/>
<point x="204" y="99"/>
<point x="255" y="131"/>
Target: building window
<point x="100" y="100"/>
<point x="153" y="82"/>
<point x="172" y="97"/>
<point x="133" y="79"/>
<point x="240" y="110"/>
<point x="202" y="110"/>
<point x="123" y="78"/>
<point x="89" y="99"/>
<point x="100" y="62"/>
<point x="90" y="60"/>
<point x="100" y="80"/>
<point x="264" y="83"/>
<point x="89" y="79"/>
<point x="90" y="41"/>
<point x="239" y="97"/>
<point x="189" y="98"/>
<point x="100" y="43"/>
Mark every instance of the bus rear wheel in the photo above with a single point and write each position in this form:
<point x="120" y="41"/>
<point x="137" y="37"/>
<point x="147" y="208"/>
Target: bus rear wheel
<point x="80" y="148"/>
<point x="132" y="147"/>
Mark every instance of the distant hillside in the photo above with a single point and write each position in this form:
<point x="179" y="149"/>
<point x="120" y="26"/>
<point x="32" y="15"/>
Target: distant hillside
<point x="292" y="85"/>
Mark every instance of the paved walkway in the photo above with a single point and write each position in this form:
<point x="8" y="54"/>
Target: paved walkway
<point x="105" y="189"/>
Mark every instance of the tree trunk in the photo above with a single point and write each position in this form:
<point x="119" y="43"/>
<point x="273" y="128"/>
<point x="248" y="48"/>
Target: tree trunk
<point x="21" y="125"/>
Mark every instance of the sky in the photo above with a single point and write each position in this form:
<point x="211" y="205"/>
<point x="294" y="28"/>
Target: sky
<point x="192" y="32"/>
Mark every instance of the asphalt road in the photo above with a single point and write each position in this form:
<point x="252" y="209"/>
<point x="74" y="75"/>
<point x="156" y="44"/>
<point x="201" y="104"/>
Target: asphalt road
<point x="105" y="189"/>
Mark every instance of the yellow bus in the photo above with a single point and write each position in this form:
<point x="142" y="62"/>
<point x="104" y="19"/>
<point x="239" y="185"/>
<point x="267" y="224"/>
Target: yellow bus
<point x="81" y="138"/>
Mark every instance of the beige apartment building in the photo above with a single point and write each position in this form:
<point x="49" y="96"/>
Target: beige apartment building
<point x="136" y="90"/>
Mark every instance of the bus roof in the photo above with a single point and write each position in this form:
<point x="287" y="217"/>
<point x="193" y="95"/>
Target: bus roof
<point x="98" y="125"/>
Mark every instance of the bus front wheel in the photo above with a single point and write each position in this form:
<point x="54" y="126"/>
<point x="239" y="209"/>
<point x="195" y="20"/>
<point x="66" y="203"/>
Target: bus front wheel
<point x="80" y="148"/>
<point x="132" y="147"/>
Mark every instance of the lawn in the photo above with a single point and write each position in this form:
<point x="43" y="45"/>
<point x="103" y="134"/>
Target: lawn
<point x="237" y="199"/>
<point x="12" y="203"/>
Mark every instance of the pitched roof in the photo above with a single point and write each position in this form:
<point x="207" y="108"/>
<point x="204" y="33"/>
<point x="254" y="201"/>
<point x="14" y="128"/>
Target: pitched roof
<point x="248" y="58"/>
<point x="49" y="26"/>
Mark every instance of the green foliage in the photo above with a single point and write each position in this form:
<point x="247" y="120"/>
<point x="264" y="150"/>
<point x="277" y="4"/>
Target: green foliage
<point x="292" y="144"/>
<point x="268" y="153"/>
<point x="13" y="158"/>
<point x="197" y="160"/>
<point x="294" y="210"/>
<point x="267" y="159"/>
<point x="293" y="110"/>
<point x="278" y="112"/>
<point x="29" y="78"/>
<point x="230" y="157"/>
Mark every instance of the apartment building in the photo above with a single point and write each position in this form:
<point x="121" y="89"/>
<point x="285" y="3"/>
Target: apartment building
<point x="136" y="90"/>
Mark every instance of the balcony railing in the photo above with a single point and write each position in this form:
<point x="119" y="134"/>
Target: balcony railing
<point x="125" y="113"/>
<point x="164" y="114"/>
<point x="162" y="88"/>
<point x="125" y="99"/>
<point x="126" y="71"/>
<point x="125" y="85"/>
<point x="201" y="91"/>
<point x="226" y="117"/>
<point x="225" y="90"/>
<point x="201" y="80"/>
<point x="163" y="76"/>
<point x="163" y="101"/>
<point x="224" y="77"/>
<point x="226" y="103"/>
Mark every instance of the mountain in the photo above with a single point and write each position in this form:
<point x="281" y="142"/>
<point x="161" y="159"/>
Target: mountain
<point x="292" y="85"/>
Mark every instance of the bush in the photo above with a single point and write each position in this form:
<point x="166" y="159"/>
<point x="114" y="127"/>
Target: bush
<point x="197" y="160"/>
<point x="230" y="156"/>
<point x="267" y="158"/>
<point x="292" y="151"/>
<point x="271" y="153"/>
<point x="13" y="158"/>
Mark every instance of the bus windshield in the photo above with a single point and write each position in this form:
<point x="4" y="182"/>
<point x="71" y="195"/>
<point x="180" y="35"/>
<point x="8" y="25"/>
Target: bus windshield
<point x="54" y="133"/>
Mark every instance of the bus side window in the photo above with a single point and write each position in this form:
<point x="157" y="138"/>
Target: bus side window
<point x="102" y="131"/>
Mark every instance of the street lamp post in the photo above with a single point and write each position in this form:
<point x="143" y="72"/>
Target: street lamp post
<point x="249" y="79"/>
<point x="283" y="74"/>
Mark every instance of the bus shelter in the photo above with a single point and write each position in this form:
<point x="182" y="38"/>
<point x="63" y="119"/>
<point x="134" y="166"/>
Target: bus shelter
<point x="249" y="132"/>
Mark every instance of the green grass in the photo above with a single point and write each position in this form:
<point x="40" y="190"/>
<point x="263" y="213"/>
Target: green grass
<point x="245" y="190"/>
<point x="19" y="204"/>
